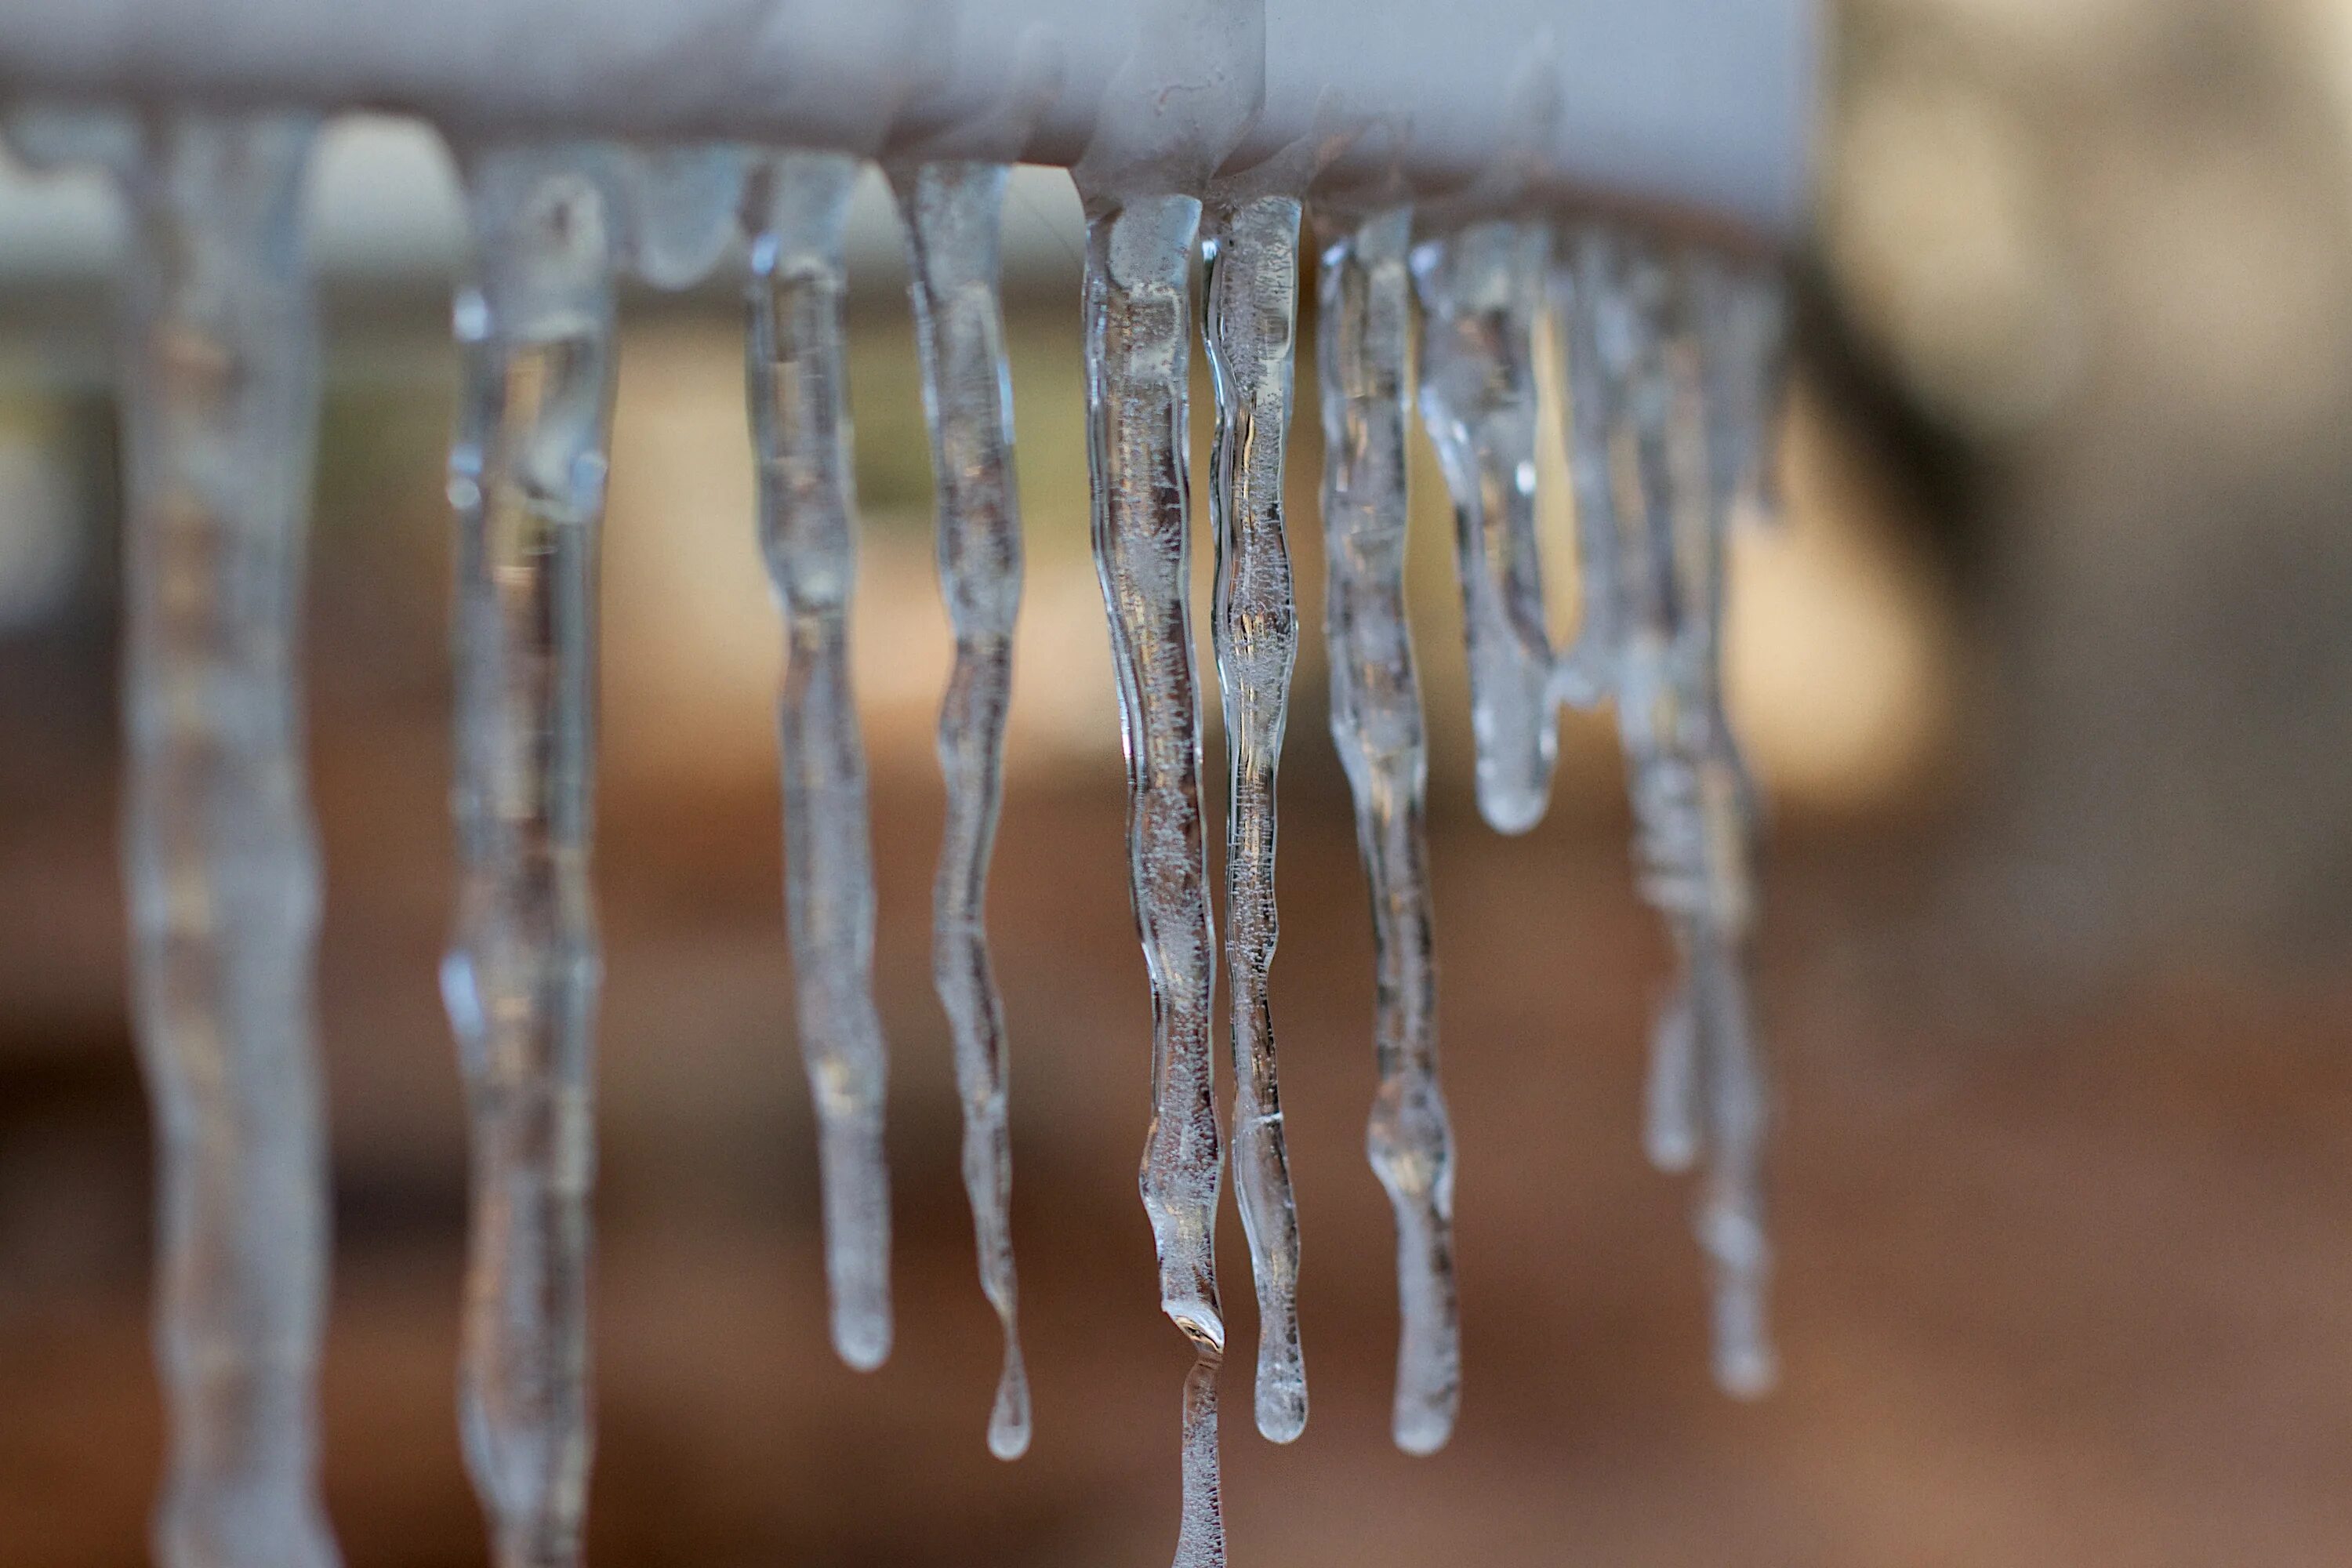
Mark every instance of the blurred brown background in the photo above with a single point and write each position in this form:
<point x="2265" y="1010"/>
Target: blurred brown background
<point x="2050" y="676"/>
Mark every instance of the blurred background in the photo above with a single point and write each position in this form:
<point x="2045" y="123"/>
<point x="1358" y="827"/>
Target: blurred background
<point x="2049" y="675"/>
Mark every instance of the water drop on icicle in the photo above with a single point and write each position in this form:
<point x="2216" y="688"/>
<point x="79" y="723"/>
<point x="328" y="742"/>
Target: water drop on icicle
<point x="1363" y="341"/>
<point x="1250" y="324"/>
<point x="1137" y="334"/>
<point x="798" y="374"/>
<point x="1481" y="292"/>
<point x="219" y="403"/>
<point x="526" y="480"/>
<point x="953" y="213"/>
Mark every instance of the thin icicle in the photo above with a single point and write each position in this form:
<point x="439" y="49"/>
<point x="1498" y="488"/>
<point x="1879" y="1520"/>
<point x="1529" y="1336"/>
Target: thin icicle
<point x="1586" y="672"/>
<point x="526" y="480"/>
<point x="1364" y="340"/>
<point x="1137" y="338"/>
<point x="798" y="373"/>
<point x="220" y="402"/>
<point x="1692" y="805"/>
<point x="953" y="213"/>
<point x="1481" y="292"/>
<point x="1250" y="324"/>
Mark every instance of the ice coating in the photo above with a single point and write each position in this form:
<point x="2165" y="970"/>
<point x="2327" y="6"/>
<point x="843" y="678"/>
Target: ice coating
<point x="797" y="362"/>
<point x="1363" y="346"/>
<point x="1693" y="808"/>
<point x="953" y="213"/>
<point x="1138" y="340"/>
<point x="535" y="325"/>
<point x="1482" y="289"/>
<point x="219" y="398"/>
<point x="1250" y="324"/>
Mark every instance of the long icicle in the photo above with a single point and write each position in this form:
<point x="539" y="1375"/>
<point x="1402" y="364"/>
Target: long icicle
<point x="526" y="480"/>
<point x="219" y="400"/>
<point x="798" y="378"/>
<point x="1480" y="293"/>
<point x="1692" y="806"/>
<point x="1137" y="335"/>
<point x="1734" y="319"/>
<point x="1250" y="324"/>
<point x="953" y="213"/>
<point x="1364" y="341"/>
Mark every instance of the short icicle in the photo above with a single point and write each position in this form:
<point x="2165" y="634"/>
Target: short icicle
<point x="953" y="212"/>
<point x="219" y="403"/>
<point x="1250" y="324"/>
<point x="797" y="361"/>
<point x="1482" y="291"/>
<point x="1363" y="341"/>
<point x="1137" y="334"/>
<point x="535" y="324"/>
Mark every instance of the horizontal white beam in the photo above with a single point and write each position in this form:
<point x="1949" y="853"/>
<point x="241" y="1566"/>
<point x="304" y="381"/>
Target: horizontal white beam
<point x="1698" y="107"/>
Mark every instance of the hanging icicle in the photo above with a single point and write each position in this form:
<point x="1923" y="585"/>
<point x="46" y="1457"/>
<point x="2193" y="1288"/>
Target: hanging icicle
<point x="1138" y="337"/>
<point x="798" y="367"/>
<point x="526" y="480"/>
<point x="1481" y="292"/>
<point x="1635" y="355"/>
<point x="1364" y="341"/>
<point x="219" y="398"/>
<point x="1250" y="324"/>
<point x="953" y="213"/>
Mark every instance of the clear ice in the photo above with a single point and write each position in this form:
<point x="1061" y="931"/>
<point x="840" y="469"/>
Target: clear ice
<point x="953" y="213"/>
<point x="1482" y="293"/>
<point x="797" y="363"/>
<point x="1137" y="336"/>
<point x="1674" y="361"/>
<point x="219" y="400"/>
<point x="1250" y="324"/>
<point x="535" y="324"/>
<point x="1363" y="345"/>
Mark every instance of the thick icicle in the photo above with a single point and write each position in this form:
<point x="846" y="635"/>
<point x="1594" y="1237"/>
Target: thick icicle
<point x="1481" y="292"/>
<point x="1363" y="340"/>
<point x="953" y="211"/>
<point x="1692" y="805"/>
<point x="1137" y="336"/>
<point x="798" y="374"/>
<point x="526" y="481"/>
<point x="219" y="401"/>
<point x="1250" y="324"/>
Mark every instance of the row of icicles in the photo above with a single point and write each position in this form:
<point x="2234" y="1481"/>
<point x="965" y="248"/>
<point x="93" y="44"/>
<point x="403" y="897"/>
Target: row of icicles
<point x="1671" y="361"/>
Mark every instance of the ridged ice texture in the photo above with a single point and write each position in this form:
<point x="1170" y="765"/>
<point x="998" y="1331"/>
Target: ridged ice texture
<point x="526" y="481"/>
<point x="1693" y="811"/>
<point x="1250" y="324"/>
<point x="1363" y="342"/>
<point x="953" y="213"/>
<point x="1482" y="291"/>
<point x="798" y="373"/>
<point x="1138" y="338"/>
<point x="219" y="403"/>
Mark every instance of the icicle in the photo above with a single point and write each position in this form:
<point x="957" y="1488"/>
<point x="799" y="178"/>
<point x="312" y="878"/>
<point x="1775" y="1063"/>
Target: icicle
<point x="1137" y="331"/>
<point x="526" y="480"/>
<point x="1692" y="805"/>
<point x="220" y="402"/>
<point x="1481" y="292"/>
<point x="1363" y="341"/>
<point x="1250" y="325"/>
<point x="685" y="206"/>
<point x="953" y="212"/>
<point x="798" y="368"/>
